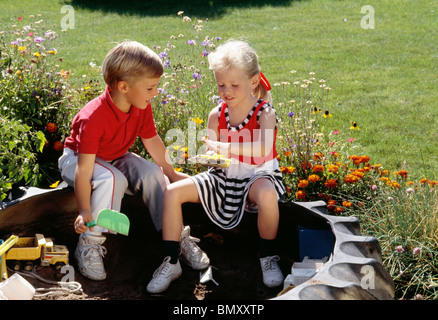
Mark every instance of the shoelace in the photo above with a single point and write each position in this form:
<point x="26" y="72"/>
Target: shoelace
<point x="93" y="251"/>
<point x="190" y="243"/>
<point x="270" y="263"/>
<point x="163" y="268"/>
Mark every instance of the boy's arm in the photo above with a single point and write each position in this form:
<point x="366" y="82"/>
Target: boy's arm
<point x="83" y="177"/>
<point x="157" y="150"/>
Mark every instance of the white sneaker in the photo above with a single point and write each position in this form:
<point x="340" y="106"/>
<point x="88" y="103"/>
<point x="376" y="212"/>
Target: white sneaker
<point x="89" y="253"/>
<point x="191" y="254"/>
<point x="163" y="276"/>
<point x="272" y="275"/>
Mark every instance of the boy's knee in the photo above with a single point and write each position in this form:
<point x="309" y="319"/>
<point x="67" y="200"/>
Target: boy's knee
<point x="111" y="179"/>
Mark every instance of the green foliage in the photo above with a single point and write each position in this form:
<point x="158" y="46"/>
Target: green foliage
<point x="18" y="162"/>
<point x="35" y="91"/>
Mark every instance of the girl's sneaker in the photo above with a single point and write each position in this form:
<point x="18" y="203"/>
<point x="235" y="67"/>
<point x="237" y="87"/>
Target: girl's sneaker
<point x="272" y="275"/>
<point x="163" y="276"/>
<point x="191" y="254"/>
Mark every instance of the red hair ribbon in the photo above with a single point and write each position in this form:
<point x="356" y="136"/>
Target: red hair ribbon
<point x="265" y="82"/>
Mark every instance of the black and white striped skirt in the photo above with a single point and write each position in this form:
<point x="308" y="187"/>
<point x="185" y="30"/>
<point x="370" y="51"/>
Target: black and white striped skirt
<point x="223" y="191"/>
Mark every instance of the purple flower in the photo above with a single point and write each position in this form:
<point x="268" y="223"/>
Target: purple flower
<point x="163" y="55"/>
<point x="191" y="42"/>
<point x="38" y="39"/>
<point x="167" y="64"/>
<point x="416" y="251"/>
<point x="218" y="38"/>
<point x="197" y="76"/>
<point x="290" y="114"/>
<point x="205" y="53"/>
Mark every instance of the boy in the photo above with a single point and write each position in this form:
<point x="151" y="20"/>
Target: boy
<point x="96" y="160"/>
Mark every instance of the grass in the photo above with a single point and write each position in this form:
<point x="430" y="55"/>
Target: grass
<point x="385" y="78"/>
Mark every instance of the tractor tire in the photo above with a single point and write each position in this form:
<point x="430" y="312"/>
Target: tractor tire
<point x="353" y="272"/>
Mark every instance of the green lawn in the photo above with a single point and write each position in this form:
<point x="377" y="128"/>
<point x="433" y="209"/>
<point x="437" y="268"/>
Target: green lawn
<point x="385" y="79"/>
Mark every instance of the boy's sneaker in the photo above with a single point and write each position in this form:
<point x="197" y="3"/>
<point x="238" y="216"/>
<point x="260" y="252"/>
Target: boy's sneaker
<point x="191" y="254"/>
<point x="89" y="253"/>
<point x="272" y="275"/>
<point x="163" y="276"/>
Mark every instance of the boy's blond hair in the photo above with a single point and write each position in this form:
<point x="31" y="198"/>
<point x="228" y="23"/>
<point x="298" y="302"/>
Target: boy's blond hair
<point x="238" y="54"/>
<point x="129" y="60"/>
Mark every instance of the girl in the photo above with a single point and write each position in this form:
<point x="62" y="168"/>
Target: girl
<point x="243" y="127"/>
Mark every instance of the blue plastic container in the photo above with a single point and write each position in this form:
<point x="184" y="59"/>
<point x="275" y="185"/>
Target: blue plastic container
<point x="315" y="243"/>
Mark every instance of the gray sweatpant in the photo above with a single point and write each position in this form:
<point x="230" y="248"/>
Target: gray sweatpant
<point x="130" y="174"/>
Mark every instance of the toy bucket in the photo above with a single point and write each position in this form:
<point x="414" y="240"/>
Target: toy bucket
<point x="17" y="288"/>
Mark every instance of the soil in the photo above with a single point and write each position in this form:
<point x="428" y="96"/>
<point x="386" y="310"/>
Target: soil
<point x="131" y="260"/>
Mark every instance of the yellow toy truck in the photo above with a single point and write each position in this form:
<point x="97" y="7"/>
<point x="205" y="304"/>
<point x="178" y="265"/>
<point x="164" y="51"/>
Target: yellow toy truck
<point x="29" y="251"/>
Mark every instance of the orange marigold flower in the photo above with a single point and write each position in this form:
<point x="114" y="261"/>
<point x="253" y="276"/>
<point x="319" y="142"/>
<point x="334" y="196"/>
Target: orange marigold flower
<point x="331" y="184"/>
<point x="332" y="168"/>
<point x="300" y="194"/>
<point x="303" y="183"/>
<point x="318" y="155"/>
<point x="351" y="178"/>
<point x="358" y="174"/>
<point x="365" y="159"/>
<point x="347" y="204"/>
<point x="58" y="145"/>
<point x="318" y="168"/>
<point x="331" y="204"/>
<point x="51" y="127"/>
<point x="339" y="209"/>
<point x="305" y="165"/>
<point x="402" y="173"/>
<point x="313" y="178"/>
<point x="287" y="153"/>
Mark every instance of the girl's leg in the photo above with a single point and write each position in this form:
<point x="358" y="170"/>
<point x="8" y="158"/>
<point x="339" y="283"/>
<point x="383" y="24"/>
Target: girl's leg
<point x="262" y="192"/>
<point x="175" y="195"/>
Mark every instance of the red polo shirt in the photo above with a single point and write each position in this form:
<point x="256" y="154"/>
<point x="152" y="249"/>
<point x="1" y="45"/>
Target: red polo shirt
<point x="102" y="129"/>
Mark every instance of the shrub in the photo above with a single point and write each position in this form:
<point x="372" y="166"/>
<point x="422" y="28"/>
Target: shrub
<point x="18" y="162"/>
<point x="35" y="90"/>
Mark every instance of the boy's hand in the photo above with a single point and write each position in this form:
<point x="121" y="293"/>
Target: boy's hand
<point x="81" y="220"/>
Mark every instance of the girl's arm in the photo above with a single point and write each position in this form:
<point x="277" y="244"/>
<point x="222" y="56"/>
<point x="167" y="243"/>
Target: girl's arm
<point x="260" y="147"/>
<point x="157" y="150"/>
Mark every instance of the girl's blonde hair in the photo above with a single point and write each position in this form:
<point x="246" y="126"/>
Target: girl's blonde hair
<point x="129" y="60"/>
<point x="238" y="54"/>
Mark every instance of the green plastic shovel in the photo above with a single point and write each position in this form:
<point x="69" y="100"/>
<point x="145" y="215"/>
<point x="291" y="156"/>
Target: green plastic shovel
<point x="111" y="220"/>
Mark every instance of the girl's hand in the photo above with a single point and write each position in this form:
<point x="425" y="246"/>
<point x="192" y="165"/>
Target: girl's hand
<point x="221" y="148"/>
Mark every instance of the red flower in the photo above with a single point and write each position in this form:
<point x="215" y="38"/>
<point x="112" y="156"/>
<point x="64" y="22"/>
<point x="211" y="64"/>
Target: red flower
<point x="300" y="194"/>
<point x="58" y="145"/>
<point x="51" y="127"/>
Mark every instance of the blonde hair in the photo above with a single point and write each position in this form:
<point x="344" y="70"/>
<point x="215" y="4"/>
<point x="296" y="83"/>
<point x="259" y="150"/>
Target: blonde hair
<point x="129" y="60"/>
<point x="238" y="54"/>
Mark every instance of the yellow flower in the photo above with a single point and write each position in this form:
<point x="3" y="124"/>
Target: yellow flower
<point x="327" y="114"/>
<point x="22" y="48"/>
<point x="36" y="54"/>
<point x="197" y="120"/>
<point x="354" y="126"/>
